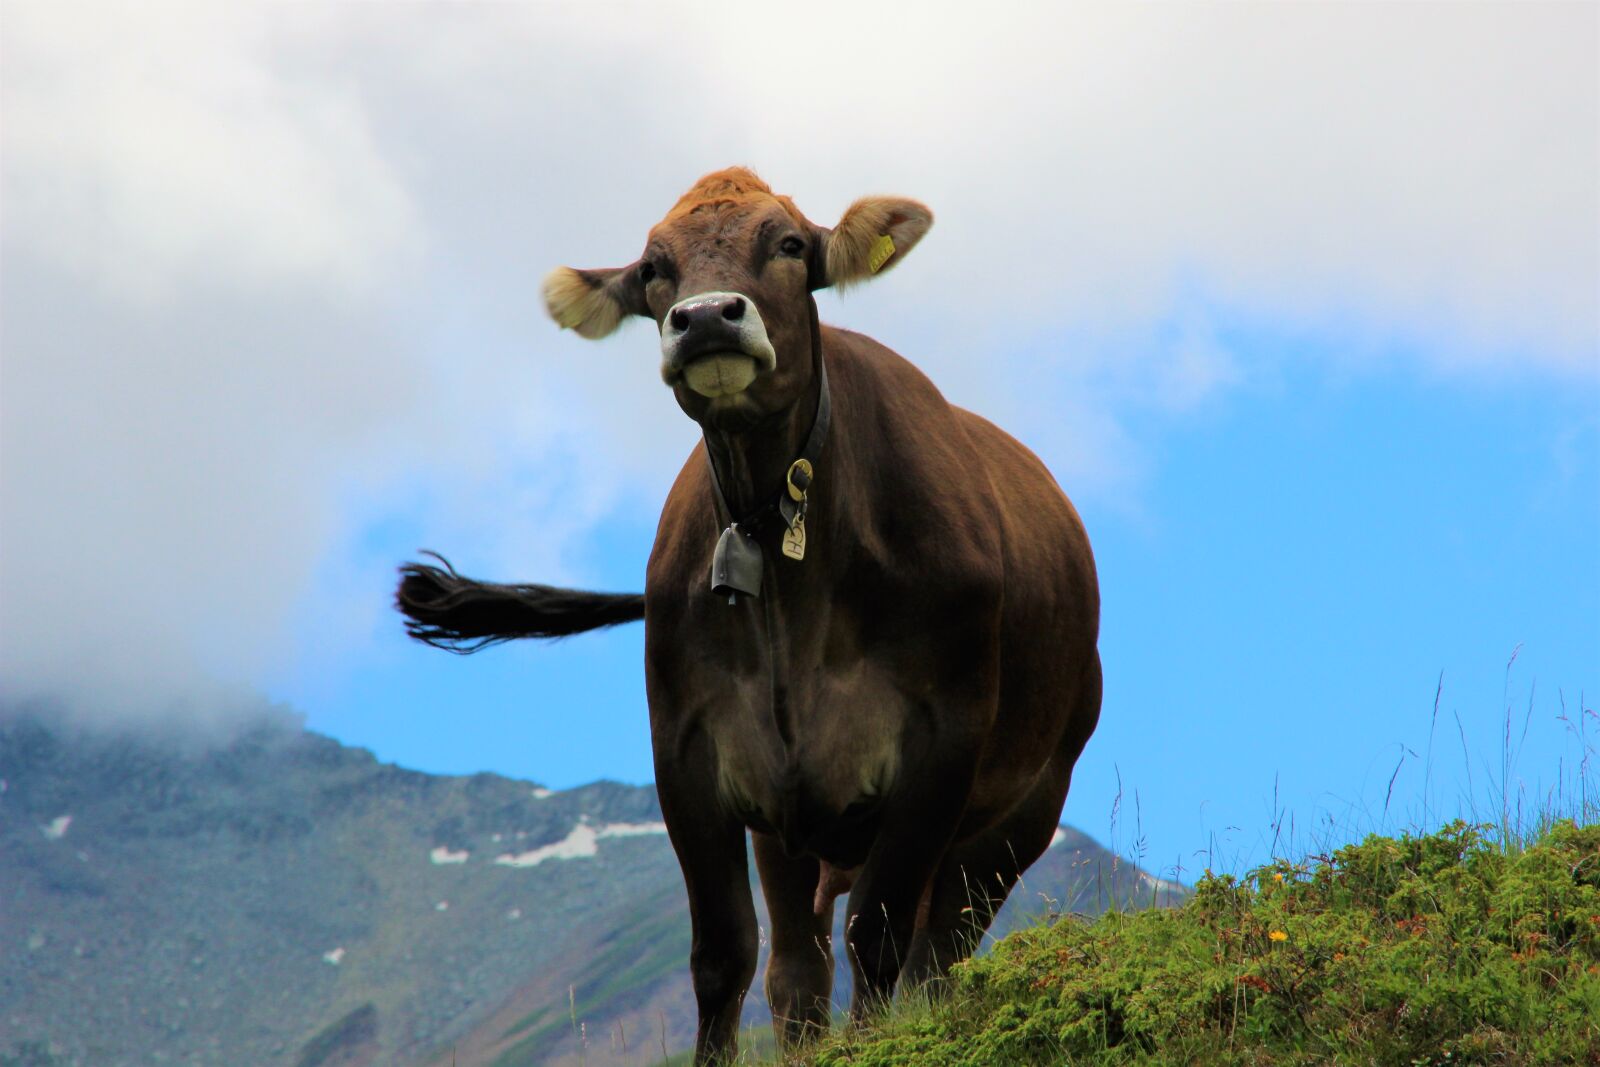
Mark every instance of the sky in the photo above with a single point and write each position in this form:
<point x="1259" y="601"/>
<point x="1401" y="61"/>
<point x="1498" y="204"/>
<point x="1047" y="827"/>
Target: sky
<point x="1301" y="304"/>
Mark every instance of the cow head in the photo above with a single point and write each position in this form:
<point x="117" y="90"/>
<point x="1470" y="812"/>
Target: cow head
<point x="727" y="277"/>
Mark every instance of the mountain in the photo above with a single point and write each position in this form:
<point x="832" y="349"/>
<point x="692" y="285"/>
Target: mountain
<point x="287" y="900"/>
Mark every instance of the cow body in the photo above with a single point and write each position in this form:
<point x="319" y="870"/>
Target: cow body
<point x="934" y="665"/>
<point x="898" y="713"/>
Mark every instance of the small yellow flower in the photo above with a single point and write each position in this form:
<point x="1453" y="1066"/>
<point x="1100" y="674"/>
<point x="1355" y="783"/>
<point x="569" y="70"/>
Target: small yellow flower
<point x="1278" y="875"/>
<point x="1278" y="935"/>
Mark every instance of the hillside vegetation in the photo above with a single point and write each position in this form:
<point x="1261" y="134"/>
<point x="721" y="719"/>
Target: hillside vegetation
<point x="1437" y="949"/>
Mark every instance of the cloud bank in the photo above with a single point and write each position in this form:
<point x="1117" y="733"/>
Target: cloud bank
<point x="270" y="272"/>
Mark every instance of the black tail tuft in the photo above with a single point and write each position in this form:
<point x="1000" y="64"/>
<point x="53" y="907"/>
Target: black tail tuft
<point x="458" y="614"/>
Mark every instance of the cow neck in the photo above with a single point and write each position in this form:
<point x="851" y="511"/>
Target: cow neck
<point x="742" y="466"/>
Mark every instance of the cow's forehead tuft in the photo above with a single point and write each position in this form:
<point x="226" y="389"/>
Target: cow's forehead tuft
<point x="731" y="187"/>
<point x="731" y="182"/>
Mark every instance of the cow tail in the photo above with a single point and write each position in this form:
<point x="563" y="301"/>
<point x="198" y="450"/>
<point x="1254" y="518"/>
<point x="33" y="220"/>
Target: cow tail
<point x="459" y="614"/>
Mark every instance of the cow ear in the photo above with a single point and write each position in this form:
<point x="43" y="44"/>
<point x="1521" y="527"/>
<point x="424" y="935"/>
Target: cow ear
<point x="594" y="302"/>
<point x="874" y="235"/>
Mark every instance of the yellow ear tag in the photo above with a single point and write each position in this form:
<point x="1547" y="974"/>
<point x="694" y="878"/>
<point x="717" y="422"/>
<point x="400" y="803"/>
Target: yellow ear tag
<point x="882" y="249"/>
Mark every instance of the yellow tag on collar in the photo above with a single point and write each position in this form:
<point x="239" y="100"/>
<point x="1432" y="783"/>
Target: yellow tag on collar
<point x="882" y="249"/>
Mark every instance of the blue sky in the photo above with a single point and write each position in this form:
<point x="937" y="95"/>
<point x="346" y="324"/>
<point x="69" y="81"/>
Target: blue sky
<point x="1299" y="302"/>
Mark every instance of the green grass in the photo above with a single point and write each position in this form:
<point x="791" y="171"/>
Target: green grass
<point x="1443" y="948"/>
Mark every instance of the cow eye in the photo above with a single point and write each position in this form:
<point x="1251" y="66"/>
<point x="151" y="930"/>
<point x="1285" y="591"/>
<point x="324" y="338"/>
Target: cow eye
<point x="647" y="272"/>
<point x="791" y="246"/>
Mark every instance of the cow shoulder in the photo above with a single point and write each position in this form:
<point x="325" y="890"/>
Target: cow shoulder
<point x="922" y="499"/>
<point x="1048" y="558"/>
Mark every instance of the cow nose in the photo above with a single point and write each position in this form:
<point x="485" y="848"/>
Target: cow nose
<point x="697" y="311"/>
<point x="715" y="324"/>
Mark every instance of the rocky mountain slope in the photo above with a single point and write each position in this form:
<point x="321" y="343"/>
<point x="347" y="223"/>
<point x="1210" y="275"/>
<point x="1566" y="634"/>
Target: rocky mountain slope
<point x="286" y="900"/>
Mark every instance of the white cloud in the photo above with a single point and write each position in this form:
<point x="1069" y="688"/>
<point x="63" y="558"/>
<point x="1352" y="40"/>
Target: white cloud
<point x="271" y="271"/>
<point x="151" y="149"/>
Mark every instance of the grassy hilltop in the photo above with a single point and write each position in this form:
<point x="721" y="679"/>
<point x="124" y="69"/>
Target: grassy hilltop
<point x="1438" y="949"/>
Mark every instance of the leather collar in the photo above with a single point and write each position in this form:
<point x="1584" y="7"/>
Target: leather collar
<point x="738" y="563"/>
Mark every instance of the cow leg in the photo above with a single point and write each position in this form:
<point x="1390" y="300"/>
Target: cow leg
<point x="978" y="874"/>
<point x="800" y="968"/>
<point x="892" y="886"/>
<point x="711" y="852"/>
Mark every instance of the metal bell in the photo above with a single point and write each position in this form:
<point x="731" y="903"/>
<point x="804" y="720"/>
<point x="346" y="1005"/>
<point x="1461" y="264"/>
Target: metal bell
<point x="736" y="566"/>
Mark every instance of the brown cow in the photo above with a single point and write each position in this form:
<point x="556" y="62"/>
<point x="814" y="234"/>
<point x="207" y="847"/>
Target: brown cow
<point x="880" y="661"/>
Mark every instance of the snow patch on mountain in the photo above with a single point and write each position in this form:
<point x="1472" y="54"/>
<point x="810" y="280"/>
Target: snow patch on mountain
<point x="582" y="842"/>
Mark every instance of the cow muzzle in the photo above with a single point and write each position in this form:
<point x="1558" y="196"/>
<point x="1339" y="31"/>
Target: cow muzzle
<point x="716" y="344"/>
